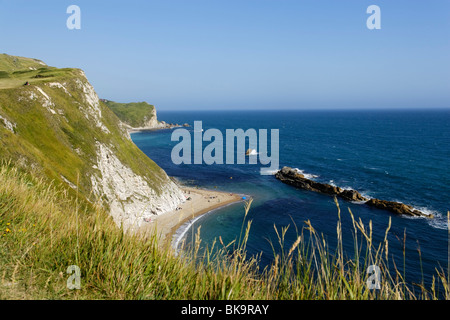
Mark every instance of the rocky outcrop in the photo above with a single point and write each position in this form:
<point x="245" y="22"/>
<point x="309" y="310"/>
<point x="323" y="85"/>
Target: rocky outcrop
<point x="151" y="123"/>
<point x="152" y="120"/>
<point x="396" y="207"/>
<point x="294" y="178"/>
<point x="8" y="125"/>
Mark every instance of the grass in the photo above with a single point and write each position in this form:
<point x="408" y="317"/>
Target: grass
<point x="135" y="114"/>
<point x="44" y="231"/>
<point x="61" y="144"/>
<point x="15" y="71"/>
<point x="46" y="227"/>
<point x="14" y="63"/>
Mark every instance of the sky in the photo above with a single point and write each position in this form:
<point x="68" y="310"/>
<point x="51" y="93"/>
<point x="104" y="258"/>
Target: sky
<point x="244" y="54"/>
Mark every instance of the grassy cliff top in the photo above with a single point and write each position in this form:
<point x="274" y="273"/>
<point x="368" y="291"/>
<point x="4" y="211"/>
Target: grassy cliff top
<point x="16" y="71"/>
<point x="13" y="63"/>
<point x="135" y="114"/>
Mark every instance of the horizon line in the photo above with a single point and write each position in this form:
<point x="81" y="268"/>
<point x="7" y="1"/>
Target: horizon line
<point x="159" y="109"/>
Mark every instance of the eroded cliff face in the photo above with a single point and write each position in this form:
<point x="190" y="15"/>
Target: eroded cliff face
<point x="153" y="121"/>
<point x="128" y="195"/>
<point x="60" y="128"/>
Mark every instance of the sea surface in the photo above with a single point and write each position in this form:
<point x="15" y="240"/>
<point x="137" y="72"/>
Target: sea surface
<point x="398" y="155"/>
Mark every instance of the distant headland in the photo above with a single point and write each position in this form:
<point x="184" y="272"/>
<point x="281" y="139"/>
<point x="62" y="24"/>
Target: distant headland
<point x="139" y="116"/>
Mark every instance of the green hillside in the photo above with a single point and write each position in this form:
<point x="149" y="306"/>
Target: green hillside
<point x="43" y="232"/>
<point x="53" y="126"/>
<point x="135" y="114"/>
<point x="12" y="63"/>
<point x="15" y="71"/>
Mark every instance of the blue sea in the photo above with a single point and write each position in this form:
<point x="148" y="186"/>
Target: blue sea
<point x="398" y="155"/>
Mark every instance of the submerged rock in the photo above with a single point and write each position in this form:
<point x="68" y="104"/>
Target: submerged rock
<point x="294" y="178"/>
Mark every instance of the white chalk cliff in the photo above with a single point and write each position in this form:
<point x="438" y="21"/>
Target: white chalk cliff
<point x="129" y="196"/>
<point x="93" y="153"/>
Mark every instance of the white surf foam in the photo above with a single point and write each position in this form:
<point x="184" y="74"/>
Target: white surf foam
<point x="427" y="211"/>
<point x="366" y="195"/>
<point x="439" y="221"/>
<point x="269" y="172"/>
<point x="181" y="231"/>
<point x="306" y="175"/>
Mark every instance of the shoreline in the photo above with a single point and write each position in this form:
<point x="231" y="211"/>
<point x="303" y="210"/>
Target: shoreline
<point x="202" y="201"/>
<point x="177" y="237"/>
<point x="144" y="129"/>
<point x="162" y="126"/>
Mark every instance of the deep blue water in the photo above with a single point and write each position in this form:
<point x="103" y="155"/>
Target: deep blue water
<point x="391" y="155"/>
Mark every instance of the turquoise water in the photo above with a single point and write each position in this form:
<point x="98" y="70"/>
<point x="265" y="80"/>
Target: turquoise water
<point x="391" y="155"/>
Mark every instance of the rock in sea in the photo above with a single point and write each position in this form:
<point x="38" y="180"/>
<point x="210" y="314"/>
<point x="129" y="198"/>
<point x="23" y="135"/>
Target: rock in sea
<point x="294" y="178"/>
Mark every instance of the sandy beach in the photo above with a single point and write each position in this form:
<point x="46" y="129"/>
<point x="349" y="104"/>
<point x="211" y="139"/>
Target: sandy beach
<point x="200" y="202"/>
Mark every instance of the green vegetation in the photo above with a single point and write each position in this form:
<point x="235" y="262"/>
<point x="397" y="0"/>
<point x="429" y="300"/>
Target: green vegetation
<point x="15" y="71"/>
<point x="12" y="63"/>
<point x="46" y="225"/>
<point x="135" y="114"/>
<point x="60" y="143"/>
<point x="44" y="231"/>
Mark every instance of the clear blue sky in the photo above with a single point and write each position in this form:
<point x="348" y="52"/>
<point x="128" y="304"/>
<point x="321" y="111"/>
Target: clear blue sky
<point x="228" y="54"/>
